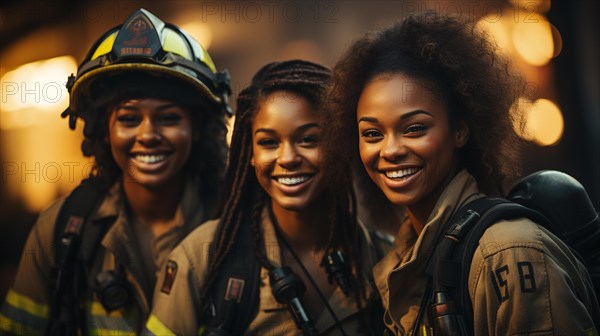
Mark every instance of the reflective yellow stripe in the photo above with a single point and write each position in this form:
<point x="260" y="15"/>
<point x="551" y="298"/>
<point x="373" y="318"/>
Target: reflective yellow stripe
<point x="24" y="303"/>
<point x="591" y="332"/>
<point x="97" y="309"/>
<point x="9" y="326"/>
<point x="156" y="327"/>
<point x="110" y="332"/>
<point x="105" y="47"/>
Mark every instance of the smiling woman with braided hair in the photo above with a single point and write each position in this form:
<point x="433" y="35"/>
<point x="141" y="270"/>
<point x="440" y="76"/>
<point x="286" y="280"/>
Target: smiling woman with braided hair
<point x="279" y="210"/>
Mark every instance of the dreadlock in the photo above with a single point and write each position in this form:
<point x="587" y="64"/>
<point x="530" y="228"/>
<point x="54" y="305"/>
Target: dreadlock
<point x="243" y="196"/>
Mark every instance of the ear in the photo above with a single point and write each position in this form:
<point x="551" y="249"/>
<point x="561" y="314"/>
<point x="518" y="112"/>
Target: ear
<point x="461" y="134"/>
<point x="252" y="163"/>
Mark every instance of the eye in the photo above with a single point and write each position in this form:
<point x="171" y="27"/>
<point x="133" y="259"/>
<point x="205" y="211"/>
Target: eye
<point x="128" y="119"/>
<point x="267" y="142"/>
<point x="371" y="135"/>
<point x="415" y="129"/>
<point x="169" y="118"/>
<point x="309" y="140"/>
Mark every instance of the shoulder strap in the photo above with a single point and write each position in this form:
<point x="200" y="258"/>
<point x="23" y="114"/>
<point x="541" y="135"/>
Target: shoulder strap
<point x="236" y="290"/>
<point x="451" y="265"/>
<point x="72" y="245"/>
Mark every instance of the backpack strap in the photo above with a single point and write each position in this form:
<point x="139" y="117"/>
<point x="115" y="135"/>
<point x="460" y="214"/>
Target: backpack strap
<point x="450" y="266"/>
<point x="235" y="292"/>
<point x="74" y="243"/>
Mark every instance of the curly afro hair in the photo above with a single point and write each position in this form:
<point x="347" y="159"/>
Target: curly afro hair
<point x="454" y="56"/>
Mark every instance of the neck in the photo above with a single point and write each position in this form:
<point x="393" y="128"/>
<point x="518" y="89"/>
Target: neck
<point x="153" y="206"/>
<point x="304" y="230"/>
<point x="419" y="212"/>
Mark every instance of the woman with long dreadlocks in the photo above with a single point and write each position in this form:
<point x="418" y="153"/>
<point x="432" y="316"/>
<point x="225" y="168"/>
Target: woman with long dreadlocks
<point x="287" y="252"/>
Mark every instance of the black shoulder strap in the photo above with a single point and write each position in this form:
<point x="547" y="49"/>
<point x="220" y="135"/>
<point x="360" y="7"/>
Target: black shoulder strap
<point x="72" y="245"/>
<point x="451" y="265"/>
<point x="235" y="292"/>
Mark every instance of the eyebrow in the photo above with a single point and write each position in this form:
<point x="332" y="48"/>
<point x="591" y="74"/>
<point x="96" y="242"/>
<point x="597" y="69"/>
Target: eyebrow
<point x="402" y="117"/>
<point x="136" y="108"/>
<point x="299" y="129"/>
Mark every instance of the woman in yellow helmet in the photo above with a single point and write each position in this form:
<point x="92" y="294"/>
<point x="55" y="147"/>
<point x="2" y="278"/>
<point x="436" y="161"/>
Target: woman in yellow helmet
<point x="154" y="108"/>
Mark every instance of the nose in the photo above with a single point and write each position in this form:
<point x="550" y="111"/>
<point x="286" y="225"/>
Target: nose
<point x="148" y="133"/>
<point x="288" y="156"/>
<point x="393" y="149"/>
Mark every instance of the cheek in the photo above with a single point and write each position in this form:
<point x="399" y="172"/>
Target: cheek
<point x="313" y="156"/>
<point x="182" y="138"/>
<point x="368" y="154"/>
<point x="120" y="139"/>
<point x="263" y="160"/>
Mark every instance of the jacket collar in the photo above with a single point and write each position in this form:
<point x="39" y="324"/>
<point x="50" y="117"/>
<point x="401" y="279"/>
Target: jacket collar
<point x="344" y="306"/>
<point x="120" y="239"/>
<point x="400" y="275"/>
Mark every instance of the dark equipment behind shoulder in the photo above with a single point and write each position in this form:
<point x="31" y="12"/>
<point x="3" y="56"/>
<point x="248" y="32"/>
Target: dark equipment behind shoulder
<point x="551" y="199"/>
<point x="74" y="244"/>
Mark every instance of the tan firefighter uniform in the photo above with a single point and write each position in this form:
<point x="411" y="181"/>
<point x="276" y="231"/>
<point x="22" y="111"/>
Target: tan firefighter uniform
<point x="522" y="281"/>
<point x="26" y="308"/>
<point x="177" y="313"/>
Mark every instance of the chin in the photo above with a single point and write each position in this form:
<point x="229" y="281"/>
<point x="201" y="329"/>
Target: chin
<point x="398" y="199"/>
<point x="291" y="204"/>
<point x="149" y="182"/>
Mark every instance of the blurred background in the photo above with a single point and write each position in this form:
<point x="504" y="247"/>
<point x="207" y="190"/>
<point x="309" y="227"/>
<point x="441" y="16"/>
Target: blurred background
<point x="41" y="42"/>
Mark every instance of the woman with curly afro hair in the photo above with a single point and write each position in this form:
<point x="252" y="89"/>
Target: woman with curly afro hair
<point x="426" y="106"/>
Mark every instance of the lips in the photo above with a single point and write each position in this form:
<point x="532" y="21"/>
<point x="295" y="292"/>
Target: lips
<point x="400" y="177"/>
<point x="292" y="184"/>
<point x="293" y="180"/>
<point x="150" y="162"/>
<point x="401" y="173"/>
<point x="151" y="158"/>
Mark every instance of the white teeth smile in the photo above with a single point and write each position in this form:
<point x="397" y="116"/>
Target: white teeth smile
<point x="401" y="173"/>
<point x="290" y="181"/>
<point x="150" y="158"/>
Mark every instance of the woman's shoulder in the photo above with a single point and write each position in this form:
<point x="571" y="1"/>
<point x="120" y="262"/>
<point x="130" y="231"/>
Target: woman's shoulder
<point x="521" y="233"/>
<point x="197" y="245"/>
<point x="46" y="222"/>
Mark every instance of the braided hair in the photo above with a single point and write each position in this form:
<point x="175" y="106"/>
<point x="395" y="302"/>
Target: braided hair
<point x="243" y="196"/>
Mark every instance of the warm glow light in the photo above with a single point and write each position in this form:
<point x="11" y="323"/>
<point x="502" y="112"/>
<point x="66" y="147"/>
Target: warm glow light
<point x="498" y="30"/>
<point x="532" y="38"/>
<point x="540" y="6"/>
<point x="519" y="111"/>
<point x="302" y="49"/>
<point x="544" y="123"/>
<point x="199" y="31"/>
<point x="34" y="92"/>
<point x="230" y="124"/>
<point x="41" y="157"/>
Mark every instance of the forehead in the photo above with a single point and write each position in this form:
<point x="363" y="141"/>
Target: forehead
<point x="398" y="90"/>
<point x="283" y="108"/>
<point x="148" y="101"/>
